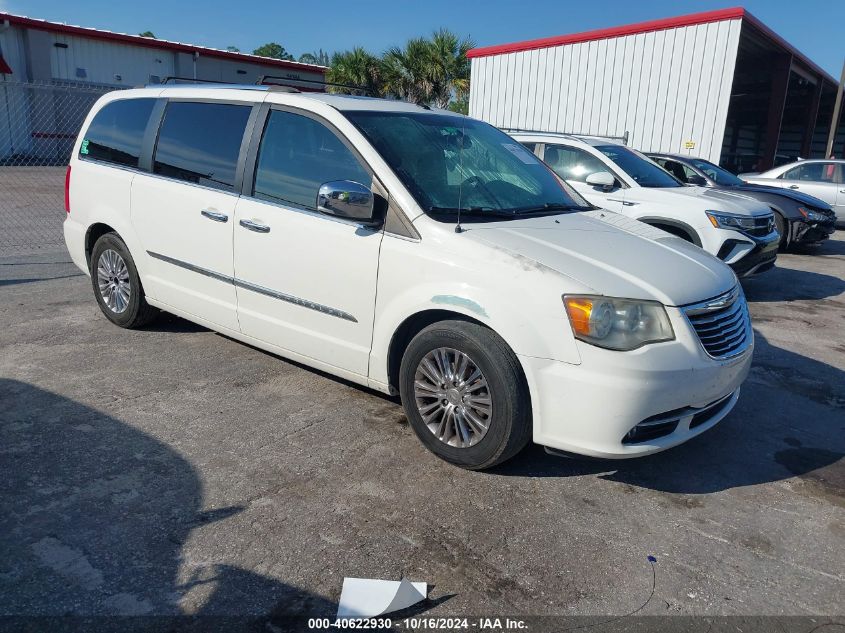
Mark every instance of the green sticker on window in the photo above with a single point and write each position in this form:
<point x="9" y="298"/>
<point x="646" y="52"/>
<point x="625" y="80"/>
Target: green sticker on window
<point x="84" y="148"/>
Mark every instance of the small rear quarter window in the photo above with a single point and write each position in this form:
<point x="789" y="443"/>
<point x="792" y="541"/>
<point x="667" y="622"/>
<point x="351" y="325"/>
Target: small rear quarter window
<point x="117" y="132"/>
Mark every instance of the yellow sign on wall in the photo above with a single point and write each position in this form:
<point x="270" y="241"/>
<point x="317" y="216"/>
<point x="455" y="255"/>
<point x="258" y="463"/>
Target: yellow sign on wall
<point x="689" y="145"/>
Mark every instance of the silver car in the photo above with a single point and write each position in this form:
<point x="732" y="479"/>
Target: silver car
<point x="824" y="179"/>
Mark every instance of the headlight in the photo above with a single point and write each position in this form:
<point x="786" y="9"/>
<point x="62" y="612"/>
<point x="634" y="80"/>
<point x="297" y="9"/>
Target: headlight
<point x="812" y="216"/>
<point x="620" y="324"/>
<point x="722" y="220"/>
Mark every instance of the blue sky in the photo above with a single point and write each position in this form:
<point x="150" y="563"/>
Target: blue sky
<point x="815" y="27"/>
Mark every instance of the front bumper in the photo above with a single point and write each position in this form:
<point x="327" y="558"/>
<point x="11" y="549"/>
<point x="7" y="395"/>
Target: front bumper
<point x="590" y="408"/>
<point x="804" y="232"/>
<point x="760" y="258"/>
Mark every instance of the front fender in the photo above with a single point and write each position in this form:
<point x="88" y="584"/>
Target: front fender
<point x="523" y="307"/>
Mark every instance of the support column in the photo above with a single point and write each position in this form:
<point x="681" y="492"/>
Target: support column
<point x="777" y="100"/>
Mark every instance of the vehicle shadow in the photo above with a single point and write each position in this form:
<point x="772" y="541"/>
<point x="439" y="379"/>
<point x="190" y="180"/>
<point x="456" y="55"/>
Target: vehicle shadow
<point x="789" y="422"/>
<point x="95" y="515"/>
<point x="828" y="247"/>
<point x="787" y="284"/>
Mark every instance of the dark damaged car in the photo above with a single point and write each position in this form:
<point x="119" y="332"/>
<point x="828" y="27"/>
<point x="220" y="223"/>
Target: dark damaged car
<point x="800" y="218"/>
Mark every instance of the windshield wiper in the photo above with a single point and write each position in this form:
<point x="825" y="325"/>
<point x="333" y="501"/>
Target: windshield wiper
<point x="475" y="212"/>
<point x="551" y="207"/>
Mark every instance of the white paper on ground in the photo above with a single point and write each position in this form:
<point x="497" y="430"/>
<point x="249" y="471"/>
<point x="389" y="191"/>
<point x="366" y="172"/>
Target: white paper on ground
<point x="367" y="598"/>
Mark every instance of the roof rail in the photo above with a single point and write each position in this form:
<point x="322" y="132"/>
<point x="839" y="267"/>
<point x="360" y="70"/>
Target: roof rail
<point x="191" y="80"/>
<point x="269" y="80"/>
<point x="624" y="138"/>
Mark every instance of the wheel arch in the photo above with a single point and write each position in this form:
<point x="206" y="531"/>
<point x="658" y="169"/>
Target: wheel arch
<point x="95" y="232"/>
<point x="413" y="325"/>
<point x="674" y="227"/>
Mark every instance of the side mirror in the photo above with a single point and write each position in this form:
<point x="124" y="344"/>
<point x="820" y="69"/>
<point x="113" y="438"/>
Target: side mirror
<point x="602" y="179"/>
<point x="349" y="200"/>
<point x="698" y="181"/>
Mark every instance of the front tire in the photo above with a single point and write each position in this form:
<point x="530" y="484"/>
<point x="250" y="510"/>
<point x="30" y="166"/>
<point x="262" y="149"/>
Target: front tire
<point x="116" y="284"/>
<point x="465" y="395"/>
<point x="783" y="229"/>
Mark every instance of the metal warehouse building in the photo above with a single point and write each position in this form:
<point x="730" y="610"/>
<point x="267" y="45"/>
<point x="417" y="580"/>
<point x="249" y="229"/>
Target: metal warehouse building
<point x="720" y="85"/>
<point x="50" y="74"/>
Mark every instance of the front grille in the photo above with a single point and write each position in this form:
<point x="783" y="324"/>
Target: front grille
<point x="722" y="324"/>
<point x="763" y="225"/>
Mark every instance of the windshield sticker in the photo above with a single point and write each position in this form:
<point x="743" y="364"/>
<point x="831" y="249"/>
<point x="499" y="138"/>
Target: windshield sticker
<point x="84" y="148"/>
<point x="521" y="153"/>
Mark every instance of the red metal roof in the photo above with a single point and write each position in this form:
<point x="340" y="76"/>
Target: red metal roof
<point x="137" y="40"/>
<point x="691" y="19"/>
<point x="4" y="67"/>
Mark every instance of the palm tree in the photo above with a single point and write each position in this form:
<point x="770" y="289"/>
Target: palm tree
<point x="408" y="71"/>
<point x="356" y="68"/>
<point x="450" y="68"/>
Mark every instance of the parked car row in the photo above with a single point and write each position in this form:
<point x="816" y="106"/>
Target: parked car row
<point x="800" y="217"/>
<point x="740" y="223"/>
<point x="427" y="255"/>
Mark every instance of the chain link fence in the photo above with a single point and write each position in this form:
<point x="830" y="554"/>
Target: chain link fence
<point x="39" y="123"/>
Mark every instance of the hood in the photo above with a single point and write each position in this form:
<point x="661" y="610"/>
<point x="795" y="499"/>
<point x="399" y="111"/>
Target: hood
<point x="612" y="255"/>
<point x="798" y="196"/>
<point x="721" y="200"/>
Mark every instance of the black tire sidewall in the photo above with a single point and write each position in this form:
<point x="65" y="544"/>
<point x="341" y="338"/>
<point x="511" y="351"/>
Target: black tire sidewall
<point x="136" y="294"/>
<point x="507" y="433"/>
<point x="782" y="225"/>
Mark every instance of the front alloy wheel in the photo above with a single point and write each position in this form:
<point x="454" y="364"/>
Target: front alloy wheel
<point x="465" y="395"/>
<point x="453" y="397"/>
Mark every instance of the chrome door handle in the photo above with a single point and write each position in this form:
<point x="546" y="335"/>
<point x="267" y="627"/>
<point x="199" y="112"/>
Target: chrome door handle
<point x="214" y="215"/>
<point x="793" y="186"/>
<point x="255" y="226"/>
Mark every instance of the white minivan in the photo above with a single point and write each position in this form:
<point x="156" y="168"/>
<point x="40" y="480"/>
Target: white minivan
<point x="736" y="228"/>
<point x="416" y="252"/>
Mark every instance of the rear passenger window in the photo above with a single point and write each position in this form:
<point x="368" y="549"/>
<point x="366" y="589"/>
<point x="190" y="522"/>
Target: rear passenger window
<point x="200" y="143"/>
<point x="296" y="156"/>
<point x="571" y="163"/>
<point x="117" y="132"/>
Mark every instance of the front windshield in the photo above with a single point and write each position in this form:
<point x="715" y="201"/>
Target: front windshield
<point x="717" y="174"/>
<point x="645" y="172"/>
<point x="452" y="162"/>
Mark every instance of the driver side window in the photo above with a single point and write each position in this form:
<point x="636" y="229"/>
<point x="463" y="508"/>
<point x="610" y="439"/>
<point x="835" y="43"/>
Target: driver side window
<point x="572" y="163"/>
<point x="298" y="154"/>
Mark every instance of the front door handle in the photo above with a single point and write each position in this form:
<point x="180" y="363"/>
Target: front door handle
<point x="793" y="186"/>
<point x="255" y="226"/>
<point x="214" y="215"/>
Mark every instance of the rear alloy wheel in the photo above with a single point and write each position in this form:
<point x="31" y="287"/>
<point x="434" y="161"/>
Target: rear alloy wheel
<point x="117" y="286"/>
<point x="464" y="393"/>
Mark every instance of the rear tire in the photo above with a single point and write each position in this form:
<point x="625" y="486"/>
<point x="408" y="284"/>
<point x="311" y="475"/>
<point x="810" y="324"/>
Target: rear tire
<point x="469" y="385"/>
<point x="116" y="284"/>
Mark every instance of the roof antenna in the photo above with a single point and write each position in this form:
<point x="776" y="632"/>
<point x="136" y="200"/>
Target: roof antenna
<point x="458" y="228"/>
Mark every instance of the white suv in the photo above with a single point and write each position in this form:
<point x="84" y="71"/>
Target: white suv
<point x="325" y="229"/>
<point x="736" y="228"/>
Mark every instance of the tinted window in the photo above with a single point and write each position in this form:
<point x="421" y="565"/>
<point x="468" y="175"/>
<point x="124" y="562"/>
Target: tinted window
<point x="571" y="163"/>
<point x="813" y="172"/>
<point x="117" y="131"/>
<point x="451" y="162"/>
<point x="296" y="156"/>
<point x="646" y="173"/>
<point x="200" y="142"/>
<point x="717" y="174"/>
<point x="678" y="170"/>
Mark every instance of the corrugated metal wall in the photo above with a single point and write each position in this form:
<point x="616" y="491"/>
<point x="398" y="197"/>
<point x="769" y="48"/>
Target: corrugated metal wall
<point x="664" y="88"/>
<point x="100" y="61"/>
